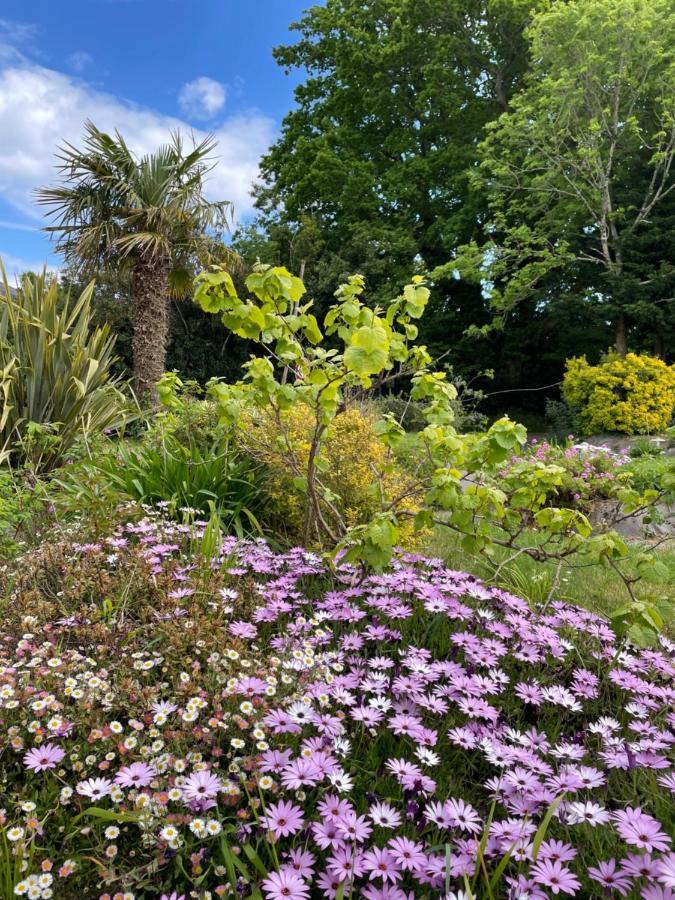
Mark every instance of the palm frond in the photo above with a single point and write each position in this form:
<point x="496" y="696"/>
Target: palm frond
<point x="110" y="204"/>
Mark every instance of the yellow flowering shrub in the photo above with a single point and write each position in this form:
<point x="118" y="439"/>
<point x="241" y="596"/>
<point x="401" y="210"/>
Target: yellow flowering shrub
<point x="632" y="394"/>
<point x="357" y="467"/>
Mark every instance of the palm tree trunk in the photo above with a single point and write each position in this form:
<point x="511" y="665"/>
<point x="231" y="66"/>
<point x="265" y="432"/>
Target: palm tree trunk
<point x="150" y="285"/>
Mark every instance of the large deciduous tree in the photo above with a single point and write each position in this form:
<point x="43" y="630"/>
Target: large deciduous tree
<point x="147" y="215"/>
<point x="373" y="159"/>
<point x="580" y="171"/>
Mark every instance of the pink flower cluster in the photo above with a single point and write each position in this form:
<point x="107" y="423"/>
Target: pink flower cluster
<point x="390" y="736"/>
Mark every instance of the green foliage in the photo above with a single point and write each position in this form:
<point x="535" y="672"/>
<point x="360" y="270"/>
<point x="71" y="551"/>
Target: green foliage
<point x="184" y="463"/>
<point x="198" y="346"/>
<point x="634" y="395"/>
<point x="190" y="481"/>
<point x="186" y="416"/>
<point x="182" y="479"/>
<point x="16" y="508"/>
<point x="580" y="169"/>
<point x="409" y="413"/>
<point x="55" y="382"/>
<point x="370" y="172"/>
<point x="589" y="473"/>
<point x="642" y="621"/>
<point x="475" y="484"/>
<point x="559" y="417"/>
<point x="644" y="447"/>
<point x="651" y="472"/>
<point x="385" y="126"/>
<point x="115" y="207"/>
<point x="358" y="471"/>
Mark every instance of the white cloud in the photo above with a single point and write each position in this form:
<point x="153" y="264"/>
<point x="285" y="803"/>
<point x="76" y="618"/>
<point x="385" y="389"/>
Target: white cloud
<point x="13" y="32"/>
<point x="202" y="98"/>
<point x="12" y="35"/>
<point x="79" y="60"/>
<point x="18" y="226"/>
<point x="41" y="108"/>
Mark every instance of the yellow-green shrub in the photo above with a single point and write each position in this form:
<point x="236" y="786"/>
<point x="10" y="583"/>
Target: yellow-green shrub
<point x="632" y="394"/>
<point x="358" y="467"/>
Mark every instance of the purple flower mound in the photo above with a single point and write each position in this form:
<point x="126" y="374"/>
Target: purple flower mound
<point x="412" y="734"/>
<point x="442" y="719"/>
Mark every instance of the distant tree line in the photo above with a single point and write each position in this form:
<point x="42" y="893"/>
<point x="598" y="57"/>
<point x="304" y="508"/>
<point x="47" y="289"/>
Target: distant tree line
<point x="519" y="153"/>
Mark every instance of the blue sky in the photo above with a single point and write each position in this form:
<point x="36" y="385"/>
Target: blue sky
<point x="145" y="67"/>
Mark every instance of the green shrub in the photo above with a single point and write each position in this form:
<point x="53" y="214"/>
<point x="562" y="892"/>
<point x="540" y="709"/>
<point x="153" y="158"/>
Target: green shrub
<point x="644" y="447"/>
<point x="649" y="472"/>
<point x="632" y="394"/>
<point x="588" y="473"/>
<point x="558" y="417"/>
<point x="16" y="509"/>
<point x="55" y="380"/>
<point x="180" y="478"/>
<point x="463" y="482"/>
<point x="409" y="413"/>
<point x="186" y="416"/>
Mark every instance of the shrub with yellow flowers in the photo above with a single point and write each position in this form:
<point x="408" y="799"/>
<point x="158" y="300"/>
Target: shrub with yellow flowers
<point x="634" y="394"/>
<point x="358" y="470"/>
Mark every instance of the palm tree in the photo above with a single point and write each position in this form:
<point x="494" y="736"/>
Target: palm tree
<point x="147" y="216"/>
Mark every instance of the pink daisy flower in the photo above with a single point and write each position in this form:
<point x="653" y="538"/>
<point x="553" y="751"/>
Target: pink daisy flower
<point x="200" y="786"/>
<point x="640" y="830"/>
<point x="381" y="864"/>
<point x="554" y="875"/>
<point x="285" y="885"/>
<point x="283" y="818"/>
<point x="138" y="774"/>
<point x="39" y="759"/>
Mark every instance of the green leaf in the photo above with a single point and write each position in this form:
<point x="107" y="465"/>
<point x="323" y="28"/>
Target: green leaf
<point x="543" y="828"/>
<point x="642" y="636"/>
<point x="107" y="815"/>
<point x="367" y="353"/>
<point x="312" y="330"/>
<point x="255" y="860"/>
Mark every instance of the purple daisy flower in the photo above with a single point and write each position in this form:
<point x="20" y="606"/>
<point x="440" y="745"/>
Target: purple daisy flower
<point x="200" y="786"/>
<point x="285" y="885"/>
<point x="138" y="774"/>
<point x="283" y="818"/>
<point x="39" y="759"/>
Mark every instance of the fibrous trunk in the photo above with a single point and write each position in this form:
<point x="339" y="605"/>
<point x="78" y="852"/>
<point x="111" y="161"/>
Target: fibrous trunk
<point x="149" y="303"/>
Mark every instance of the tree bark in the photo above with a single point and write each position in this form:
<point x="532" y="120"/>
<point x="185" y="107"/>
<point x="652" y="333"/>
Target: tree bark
<point x="150" y="284"/>
<point x="620" y="340"/>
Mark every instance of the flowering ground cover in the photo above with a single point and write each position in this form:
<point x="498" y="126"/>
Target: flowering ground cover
<point x="257" y="725"/>
<point x="591" y="472"/>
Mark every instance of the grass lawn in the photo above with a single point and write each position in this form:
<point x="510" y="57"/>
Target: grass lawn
<point x="596" y="587"/>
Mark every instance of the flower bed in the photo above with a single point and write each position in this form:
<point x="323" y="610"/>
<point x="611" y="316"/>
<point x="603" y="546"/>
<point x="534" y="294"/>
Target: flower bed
<point x="591" y="473"/>
<point x="264" y="723"/>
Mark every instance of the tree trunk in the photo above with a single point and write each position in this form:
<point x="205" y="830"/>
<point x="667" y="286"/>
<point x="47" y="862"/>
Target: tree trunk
<point x="150" y="284"/>
<point x="620" y="341"/>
